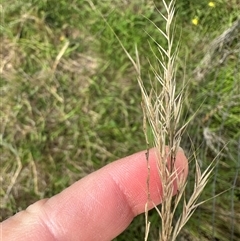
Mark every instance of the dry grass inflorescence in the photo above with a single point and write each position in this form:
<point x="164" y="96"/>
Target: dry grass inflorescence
<point x="70" y="104"/>
<point x="162" y="110"/>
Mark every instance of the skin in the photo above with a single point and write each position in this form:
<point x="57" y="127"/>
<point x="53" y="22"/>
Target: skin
<point x="98" y="207"/>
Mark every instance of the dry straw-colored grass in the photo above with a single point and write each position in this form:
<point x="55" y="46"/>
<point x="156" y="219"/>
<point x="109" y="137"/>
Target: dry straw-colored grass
<point x="162" y="107"/>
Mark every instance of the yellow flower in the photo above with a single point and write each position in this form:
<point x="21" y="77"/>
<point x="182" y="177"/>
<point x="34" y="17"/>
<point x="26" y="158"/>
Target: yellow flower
<point x="211" y="4"/>
<point x="62" y="38"/>
<point x="195" y="21"/>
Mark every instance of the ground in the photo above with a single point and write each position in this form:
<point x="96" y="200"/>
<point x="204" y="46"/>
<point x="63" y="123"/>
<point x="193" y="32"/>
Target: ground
<point x="70" y="102"/>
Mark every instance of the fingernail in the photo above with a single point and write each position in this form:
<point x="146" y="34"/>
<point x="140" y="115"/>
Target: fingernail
<point x="180" y="149"/>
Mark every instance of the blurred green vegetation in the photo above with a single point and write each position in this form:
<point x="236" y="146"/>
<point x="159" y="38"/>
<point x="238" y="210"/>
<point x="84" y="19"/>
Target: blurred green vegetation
<point x="70" y="102"/>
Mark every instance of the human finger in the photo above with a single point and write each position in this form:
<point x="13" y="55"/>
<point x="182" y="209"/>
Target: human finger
<point x="97" y="207"/>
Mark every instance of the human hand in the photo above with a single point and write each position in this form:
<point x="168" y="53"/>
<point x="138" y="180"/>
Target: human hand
<point x="98" y="207"/>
